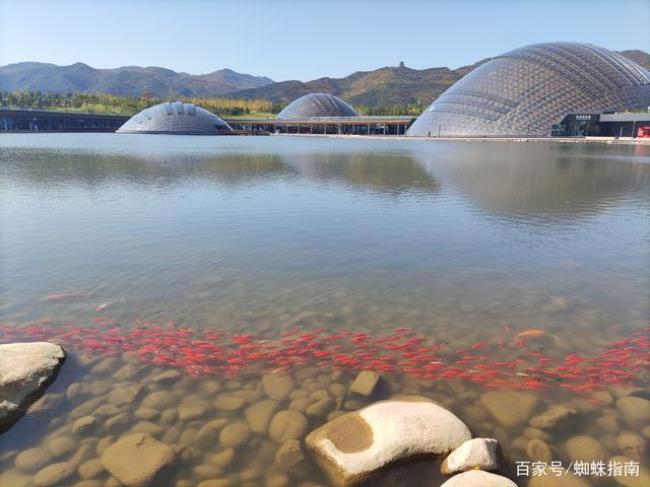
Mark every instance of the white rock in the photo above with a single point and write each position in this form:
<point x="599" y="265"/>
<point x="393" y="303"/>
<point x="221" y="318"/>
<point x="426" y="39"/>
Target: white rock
<point x="479" y="452"/>
<point x="25" y="370"/>
<point x="478" y="478"/>
<point x="355" y="445"/>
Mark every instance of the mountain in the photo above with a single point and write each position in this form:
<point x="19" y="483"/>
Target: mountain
<point x="639" y="57"/>
<point x="384" y="87"/>
<point x="124" y="81"/>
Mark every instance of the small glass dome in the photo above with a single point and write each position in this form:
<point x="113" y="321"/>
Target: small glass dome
<point x="317" y="105"/>
<point x="175" y="118"/>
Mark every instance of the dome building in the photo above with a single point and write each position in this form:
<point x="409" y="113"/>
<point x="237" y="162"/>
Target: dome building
<point x="175" y="118"/>
<point x="528" y="90"/>
<point x="317" y="105"/>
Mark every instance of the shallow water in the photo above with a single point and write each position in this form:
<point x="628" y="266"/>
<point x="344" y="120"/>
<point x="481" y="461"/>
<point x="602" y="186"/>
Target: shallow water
<point x="461" y="243"/>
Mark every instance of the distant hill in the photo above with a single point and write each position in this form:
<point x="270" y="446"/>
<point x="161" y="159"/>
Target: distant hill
<point x="125" y="81"/>
<point x="384" y="87"/>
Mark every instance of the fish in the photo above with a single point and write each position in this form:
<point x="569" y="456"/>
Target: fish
<point x="66" y="296"/>
<point x="105" y="305"/>
<point x="532" y="333"/>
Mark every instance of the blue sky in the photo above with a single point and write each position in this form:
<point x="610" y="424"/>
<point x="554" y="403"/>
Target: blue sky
<point x="304" y="39"/>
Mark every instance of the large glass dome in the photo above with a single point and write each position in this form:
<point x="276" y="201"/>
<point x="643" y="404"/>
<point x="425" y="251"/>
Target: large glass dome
<point x="175" y="118"/>
<point x="528" y="90"/>
<point x="317" y="105"/>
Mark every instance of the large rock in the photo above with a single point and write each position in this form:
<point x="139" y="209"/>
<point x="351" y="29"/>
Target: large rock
<point x="136" y="459"/>
<point x="259" y="415"/>
<point x="478" y="453"/>
<point x="277" y="385"/>
<point x="554" y="415"/>
<point x="585" y="449"/>
<point x="26" y="369"/>
<point x="355" y="445"/>
<point x="635" y="410"/>
<point x="365" y="383"/>
<point x="287" y="425"/>
<point x="478" y="478"/>
<point x="510" y="408"/>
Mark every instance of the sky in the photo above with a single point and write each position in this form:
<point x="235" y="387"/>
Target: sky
<point x="305" y="39"/>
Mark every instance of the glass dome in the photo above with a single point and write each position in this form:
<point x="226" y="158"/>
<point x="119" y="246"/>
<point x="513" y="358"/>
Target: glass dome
<point x="175" y="118"/>
<point x="528" y="90"/>
<point x="317" y="105"/>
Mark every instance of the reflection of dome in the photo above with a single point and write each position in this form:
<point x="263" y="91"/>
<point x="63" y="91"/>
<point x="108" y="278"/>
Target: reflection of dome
<point x="317" y="105"/>
<point x="175" y="118"/>
<point x="527" y="90"/>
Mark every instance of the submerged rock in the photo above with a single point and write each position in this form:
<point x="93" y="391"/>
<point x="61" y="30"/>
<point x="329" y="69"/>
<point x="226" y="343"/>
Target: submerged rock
<point x="585" y="448"/>
<point x="509" y="408"/>
<point x="259" y="415"/>
<point x="136" y="459"/>
<point x="635" y="410"/>
<point x="554" y="415"/>
<point x="478" y="453"/>
<point x="277" y="386"/>
<point x="54" y="474"/>
<point x="287" y="425"/>
<point x="26" y="369"/>
<point x="365" y="383"/>
<point x="478" y="478"/>
<point x="354" y="446"/>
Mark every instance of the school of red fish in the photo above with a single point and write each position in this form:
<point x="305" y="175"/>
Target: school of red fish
<point x="515" y="363"/>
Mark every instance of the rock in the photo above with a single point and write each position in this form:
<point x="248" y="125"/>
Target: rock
<point x="631" y="445"/>
<point x="278" y="385"/>
<point x="290" y="457"/>
<point x="321" y="408"/>
<point x="365" y="383"/>
<point x="46" y="403"/>
<point x="107" y="410"/>
<point x="193" y="410"/>
<point x="259" y="415"/>
<point x="357" y="444"/>
<point x="538" y="450"/>
<point x="229" y="403"/>
<point x="478" y="478"/>
<point x="105" y="366"/>
<point x="533" y="433"/>
<point x="336" y="389"/>
<point x="83" y="425"/>
<point x="509" y="408"/>
<point x="277" y="480"/>
<point x="608" y="423"/>
<point x="91" y="469"/>
<point x="32" y="459"/>
<point x="287" y="425"/>
<point x="234" y="435"/>
<point x="26" y="369"/>
<point x="61" y="445"/>
<point x="146" y="413"/>
<point x="54" y="474"/>
<point x="136" y="459"/>
<point x="585" y="448"/>
<point x="168" y="416"/>
<point x="87" y="408"/>
<point x="217" y="483"/>
<point x="125" y="394"/>
<point x="478" y="453"/>
<point x="167" y="376"/>
<point x="555" y="414"/>
<point x="159" y="400"/>
<point x="206" y="471"/>
<point x="116" y="423"/>
<point x="635" y="410"/>
<point x="640" y="480"/>
<point x="300" y="404"/>
<point x="223" y="458"/>
<point x="148" y="427"/>
<point x="126" y="372"/>
<point x="89" y="483"/>
<point x="15" y="478"/>
<point x="564" y="479"/>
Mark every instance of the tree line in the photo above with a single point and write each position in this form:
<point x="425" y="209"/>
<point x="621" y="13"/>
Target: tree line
<point x="130" y="105"/>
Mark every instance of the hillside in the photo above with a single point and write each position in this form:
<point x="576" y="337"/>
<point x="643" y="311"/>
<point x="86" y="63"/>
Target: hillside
<point x="124" y="81"/>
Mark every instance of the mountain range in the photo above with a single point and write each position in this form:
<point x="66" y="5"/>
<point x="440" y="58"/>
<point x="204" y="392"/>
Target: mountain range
<point x="383" y="87"/>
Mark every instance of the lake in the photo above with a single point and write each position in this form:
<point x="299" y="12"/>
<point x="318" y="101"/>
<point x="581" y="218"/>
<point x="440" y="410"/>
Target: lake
<point x="487" y="250"/>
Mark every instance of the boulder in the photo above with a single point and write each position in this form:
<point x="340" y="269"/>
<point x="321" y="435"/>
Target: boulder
<point x="355" y="445"/>
<point x="478" y="478"/>
<point x="509" y="408"/>
<point x="287" y="425"/>
<point x="26" y="369"/>
<point x="136" y="459"/>
<point x="365" y="383"/>
<point x="635" y="410"/>
<point x="478" y="453"/>
<point x="259" y="415"/>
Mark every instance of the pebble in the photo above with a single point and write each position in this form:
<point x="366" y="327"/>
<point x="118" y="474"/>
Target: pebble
<point x="32" y="459"/>
<point x="287" y="425"/>
<point x="538" y="450"/>
<point x="554" y="415"/>
<point x="291" y="457"/>
<point x="229" y="403"/>
<point x="168" y="416"/>
<point x="116" y="423"/>
<point x="478" y="478"/>
<point x="223" y="458"/>
<point x="278" y="385"/>
<point x="125" y="394"/>
<point x="608" y="423"/>
<point x="194" y="410"/>
<point x="159" y="400"/>
<point x="564" y="479"/>
<point x="631" y="445"/>
<point x="146" y="413"/>
<point x="217" y="483"/>
<point x="635" y="410"/>
<point x="299" y="404"/>
<point x="259" y="415"/>
<point x="532" y="433"/>
<point x="148" y="427"/>
<point x="336" y="389"/>
<point x="61" y="446"/>
<point x="509" y="408"/>
<point x="477" y="453"/>
<point x="206" y="471"/>
<point x="167" y="376"/>
<point x="83" y="425"/>
<point x="277" y="480"/>
<point x="585" y="448"/>
<point x="54" y="474"/>
<point x="321" y="408"/>
<point x="91" y="469"/>
<point x="234" y="435"/>
<point x="126" y="372"/>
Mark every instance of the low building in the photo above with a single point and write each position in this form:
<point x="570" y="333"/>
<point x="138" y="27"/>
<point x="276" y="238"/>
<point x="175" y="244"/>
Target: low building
<point x="624" y="124"/>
